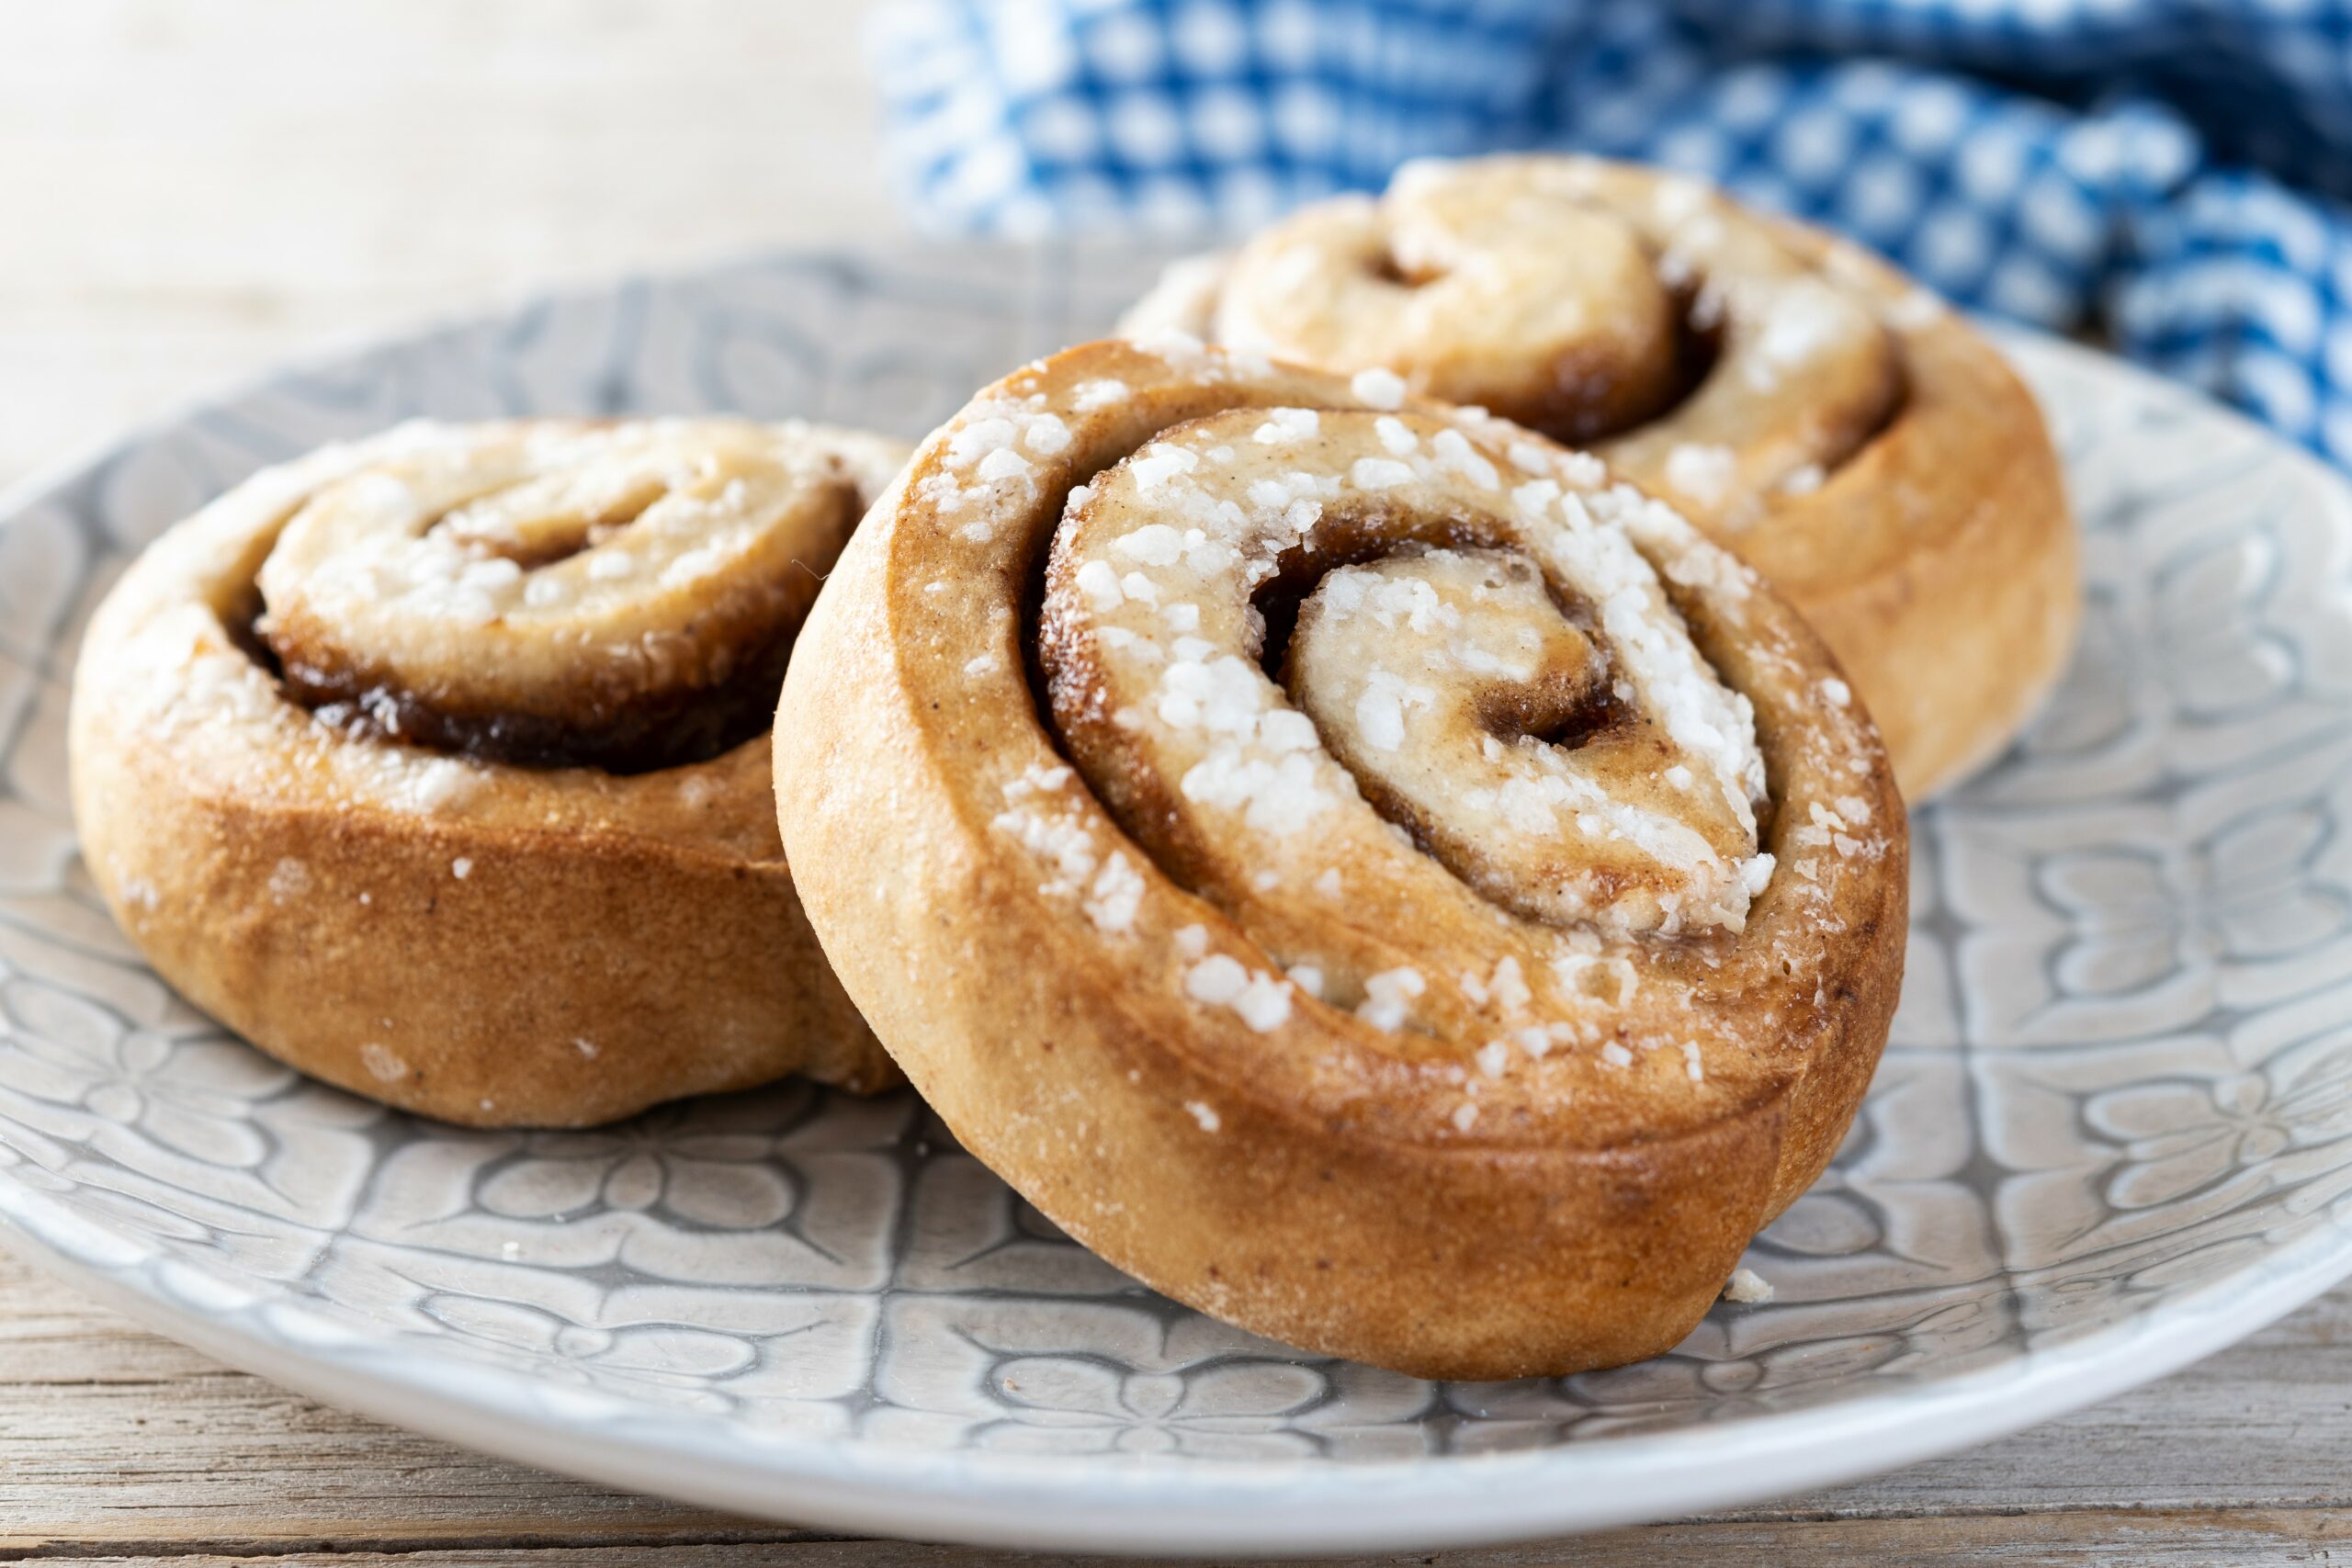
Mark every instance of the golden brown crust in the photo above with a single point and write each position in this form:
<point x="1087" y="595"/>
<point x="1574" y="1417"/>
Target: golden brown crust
<point x="486" y="943"/>
<point x="1419" y="1176"/>
<point x="1880" y="464"/>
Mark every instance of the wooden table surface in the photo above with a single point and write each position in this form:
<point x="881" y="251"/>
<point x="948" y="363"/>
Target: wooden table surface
<point x="190" y="192"/>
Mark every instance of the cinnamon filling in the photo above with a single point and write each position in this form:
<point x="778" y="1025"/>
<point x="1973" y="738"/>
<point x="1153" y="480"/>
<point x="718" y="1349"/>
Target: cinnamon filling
<point x="646" y="733"/>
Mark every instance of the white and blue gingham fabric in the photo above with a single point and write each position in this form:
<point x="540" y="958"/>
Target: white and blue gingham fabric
<point x="2177" y="170"/>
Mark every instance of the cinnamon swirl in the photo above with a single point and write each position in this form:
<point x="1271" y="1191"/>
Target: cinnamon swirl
<point x="436" y="766"/>
<point x="1856" y="441"/>
<point x="1357" y="866"/>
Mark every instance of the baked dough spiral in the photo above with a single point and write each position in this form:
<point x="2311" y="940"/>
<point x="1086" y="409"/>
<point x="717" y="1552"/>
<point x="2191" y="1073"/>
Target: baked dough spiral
<point x="436" y="764"/>
<point x="1844" y="432"/>
<point x="1356" y="864"/>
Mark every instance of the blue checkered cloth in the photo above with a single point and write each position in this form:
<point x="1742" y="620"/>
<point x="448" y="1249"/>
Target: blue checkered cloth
<point x="2176" y="171"/>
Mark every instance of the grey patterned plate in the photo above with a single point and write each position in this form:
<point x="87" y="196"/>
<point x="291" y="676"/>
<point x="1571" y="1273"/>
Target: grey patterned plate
<point x="2113" y="1132"/>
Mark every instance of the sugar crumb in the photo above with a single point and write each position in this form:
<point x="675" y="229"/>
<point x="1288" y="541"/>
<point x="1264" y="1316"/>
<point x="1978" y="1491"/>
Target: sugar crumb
<point x="1378" y="388"/>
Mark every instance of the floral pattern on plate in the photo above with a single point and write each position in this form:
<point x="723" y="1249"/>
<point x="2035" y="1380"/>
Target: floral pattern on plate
<point x="2114" y="1125"/>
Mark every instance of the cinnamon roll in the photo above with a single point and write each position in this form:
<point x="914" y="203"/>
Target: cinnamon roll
<point x="1368" y="871"/>
<point x="436" y="765"/>
<point x="1798" y="399"/>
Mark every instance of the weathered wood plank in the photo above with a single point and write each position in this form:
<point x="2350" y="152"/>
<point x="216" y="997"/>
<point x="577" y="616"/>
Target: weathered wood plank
<point x="193" y="194"/>
<point x="2264" y="1538"/>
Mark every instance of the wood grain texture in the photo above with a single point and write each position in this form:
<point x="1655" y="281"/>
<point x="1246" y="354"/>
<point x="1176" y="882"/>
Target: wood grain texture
<point x="2161" y="1542"/>
<point x="193" y="192"/>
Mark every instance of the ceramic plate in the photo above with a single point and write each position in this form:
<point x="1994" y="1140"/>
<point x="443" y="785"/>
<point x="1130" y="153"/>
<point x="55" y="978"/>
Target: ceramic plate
<point x="2113" y="1131"/>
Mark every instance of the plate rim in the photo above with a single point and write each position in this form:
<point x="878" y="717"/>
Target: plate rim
<point x="1129" y="1505"/>
<point x="1123" y="1504"/>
